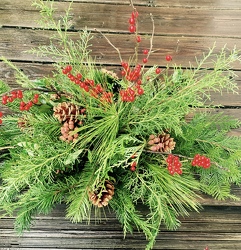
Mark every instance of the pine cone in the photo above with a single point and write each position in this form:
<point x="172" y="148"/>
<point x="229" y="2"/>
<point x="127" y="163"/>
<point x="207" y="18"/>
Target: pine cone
<point x="101" y="197"/>
<point x="161" y="143"/>
<point x="67" y="131"/>
<point x="66" y="111"/>
<point x="110" y="73"/>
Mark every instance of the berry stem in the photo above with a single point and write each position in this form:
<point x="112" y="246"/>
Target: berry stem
<point x="152" y="35"/>
<point x="107" y="39"/>
<point x="132" y="5"/>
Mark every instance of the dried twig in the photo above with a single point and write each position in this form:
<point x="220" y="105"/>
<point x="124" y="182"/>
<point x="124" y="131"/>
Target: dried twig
<point x="107" y="39"/>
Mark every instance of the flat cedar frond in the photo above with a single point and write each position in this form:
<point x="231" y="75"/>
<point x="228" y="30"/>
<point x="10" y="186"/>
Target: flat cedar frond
<point x="86" y="136"/>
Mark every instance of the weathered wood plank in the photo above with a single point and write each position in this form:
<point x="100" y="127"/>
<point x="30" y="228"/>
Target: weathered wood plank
<point x="223" y="4"/>
<point x="179" y="21"/>
<point x="13" y="42"/>
<point x="217" y="227"/>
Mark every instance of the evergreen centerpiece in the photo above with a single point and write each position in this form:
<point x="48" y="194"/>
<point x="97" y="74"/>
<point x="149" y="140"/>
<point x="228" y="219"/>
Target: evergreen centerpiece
<point x="89" y="138"/>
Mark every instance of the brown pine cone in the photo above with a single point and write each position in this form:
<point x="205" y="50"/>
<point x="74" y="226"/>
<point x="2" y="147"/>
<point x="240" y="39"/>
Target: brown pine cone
<point x="67" y="131"/>
<point x="101" y="197"/>
<point x="161" y="143"/>
<point x="66" y="111"/>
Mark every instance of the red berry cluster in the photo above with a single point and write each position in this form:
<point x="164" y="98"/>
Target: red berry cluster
<point x="201" y="161"/>
<point x="27" y="105"/>
<point x="133" y="166"/>
<point x="132" y="75"/>
<point x="88" y="85"/>
<point x="174" y="164"/>
<point x="132" y="21"/>
<point x="19" y="95"/>
<point x="10" y="98"/>
<point x="129" y="94"/>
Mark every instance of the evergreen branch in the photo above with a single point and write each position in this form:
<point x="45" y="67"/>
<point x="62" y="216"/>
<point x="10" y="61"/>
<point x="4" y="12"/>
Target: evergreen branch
<point x="79" y="206"/>
<point x="216" y="144"/>
<point x="128" y="215"/>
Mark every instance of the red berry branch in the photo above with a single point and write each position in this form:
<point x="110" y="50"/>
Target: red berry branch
<point x="18" y="94"/>
<point x="95" y="90"/>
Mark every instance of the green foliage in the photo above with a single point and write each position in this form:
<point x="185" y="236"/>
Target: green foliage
<point x="109" y="139"/>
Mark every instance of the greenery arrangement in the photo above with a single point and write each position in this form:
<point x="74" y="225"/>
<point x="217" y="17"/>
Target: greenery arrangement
<point x="91" y="139"/>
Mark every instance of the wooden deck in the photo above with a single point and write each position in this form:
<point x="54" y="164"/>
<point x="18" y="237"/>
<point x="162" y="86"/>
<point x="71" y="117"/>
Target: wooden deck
<point x="184" y="29"/>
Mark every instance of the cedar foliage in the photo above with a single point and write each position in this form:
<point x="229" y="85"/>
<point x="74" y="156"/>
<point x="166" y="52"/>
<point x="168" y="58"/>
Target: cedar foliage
<point x="38" y="170"/>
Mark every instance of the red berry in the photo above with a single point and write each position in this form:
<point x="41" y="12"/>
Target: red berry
<point x="194" y="163"/>
<point x="20" y="94"/>
<point x="124" y="65"/>
<point x="134" y="14"/>
<point x="22" y="108"/>
<point x="1" y="114"/>
<point x="139" y="82"/>
<point x="30" y="104"/>
<point x="138" y="39"/>
<point x="132" y="20"/>
<point x="68" y="68"/>
<point x="179" y="171"/>
<point x="72" y="78"/>
<point x="22" y="103"/>
<point x="1" y="121"/>
<point x="133" y="164"/>
<point x="91" y="82"/>
<point x="36" y="96"/>
<point x="131" y="91"/>
<point x="79" y="76"/>
<point x="158" y="71"/>
<point x="64" y="71"/>
<point x="132" y="28"/>
<point x="145" y="51"/>
<point x="133" y="156"/>
<point x="140" y="91"/>
<point x="131" y="98"/>
<point x="133" y="169"/>
<point x="168" y="58"/>
<point x="35" y="100"/>
<point x="86" y="88"/>
<point x="14" y="94"/>
<point x="4" y="98"/>
<point x="82" y="84"/>
<point x="77" y="81"/>
<point x="145" y="60"/>
<point x="27" y="107"/>
<point x="10" y="99"/>
<point x="123" y="73"/>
